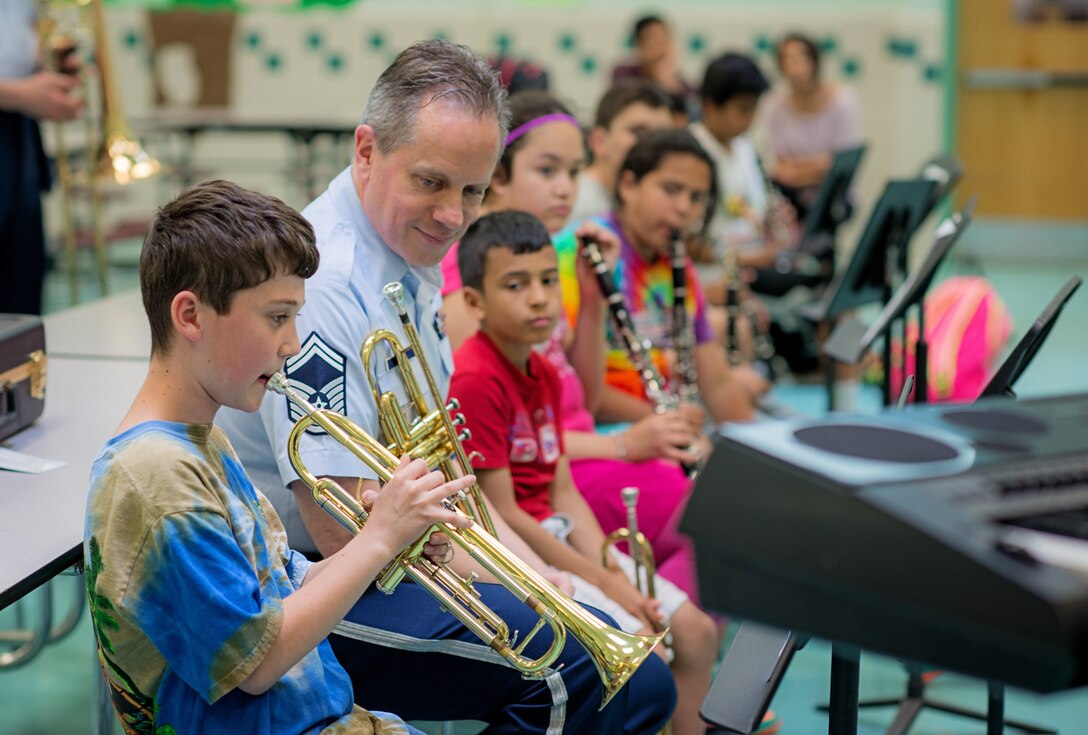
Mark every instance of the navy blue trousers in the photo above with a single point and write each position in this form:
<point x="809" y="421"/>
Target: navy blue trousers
<point x="23" y="178"/>
<point x="408" y="657"/>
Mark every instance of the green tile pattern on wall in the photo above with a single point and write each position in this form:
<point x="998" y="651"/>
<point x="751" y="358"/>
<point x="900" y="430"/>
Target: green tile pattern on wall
<point x="335" y="63"/>
<point x="851" y="68"/>
<point x="315" y="40"/>
<point x="503" y="44"/>
<point x="905" y="48"/>
<point x="588" y="65"/>
<point x="273" y="62"/>
<point x="376" y="41"/>
<point x="696" y="43"/>
<point x="131" y="38"/>
<point x="567" y="42"/>
<point x="252" y="40"/>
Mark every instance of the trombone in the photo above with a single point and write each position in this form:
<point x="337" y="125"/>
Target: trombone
<point x="113" y="151"/>
<point x="616" y="655"/>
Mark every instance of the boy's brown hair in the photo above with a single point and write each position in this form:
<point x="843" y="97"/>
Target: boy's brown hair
<point x="520" y="232"/>
<point x="625" y="93"/>
<point x="215" y="239"/>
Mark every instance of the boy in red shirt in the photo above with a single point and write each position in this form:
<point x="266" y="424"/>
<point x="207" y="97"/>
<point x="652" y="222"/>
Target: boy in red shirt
<point x="510" y="396"/>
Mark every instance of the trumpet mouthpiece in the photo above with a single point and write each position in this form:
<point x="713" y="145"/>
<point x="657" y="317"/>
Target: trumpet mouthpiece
<point x="394" y="292"/>
<point x="629" y="494"/>
<point x="277" y="383"/>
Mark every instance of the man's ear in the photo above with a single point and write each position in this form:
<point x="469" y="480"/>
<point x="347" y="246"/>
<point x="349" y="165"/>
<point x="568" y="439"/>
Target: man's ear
<point x="187" y="314"/>
<point x="362" y="157"/>
<point x="474" y="303"/>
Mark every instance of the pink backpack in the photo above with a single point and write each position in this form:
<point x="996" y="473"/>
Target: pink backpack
<point x="967" y="327"/>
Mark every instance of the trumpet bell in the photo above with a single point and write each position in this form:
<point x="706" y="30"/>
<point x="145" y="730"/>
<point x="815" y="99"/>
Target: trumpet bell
<point x="616" y="655"/>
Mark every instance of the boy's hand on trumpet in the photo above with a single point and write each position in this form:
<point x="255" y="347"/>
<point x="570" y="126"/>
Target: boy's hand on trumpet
<point x="619" y="588"/>
<point x="410" y="503"/>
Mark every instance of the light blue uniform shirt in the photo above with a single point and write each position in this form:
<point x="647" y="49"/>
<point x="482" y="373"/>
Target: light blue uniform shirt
<point x="18" y="44"/>
<point x="344" y="304"/>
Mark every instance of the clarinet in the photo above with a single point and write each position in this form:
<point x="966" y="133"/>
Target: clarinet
<point x="738" y="306"/>
<point x="683" y="341"/>
<point x="781" y="228"/>
<point x="638" y="351"/>
<point x="732" y="307"/>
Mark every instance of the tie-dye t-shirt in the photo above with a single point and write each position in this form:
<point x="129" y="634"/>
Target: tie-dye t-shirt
<point x="647" y="289"/>
<point x="187" y="570"/>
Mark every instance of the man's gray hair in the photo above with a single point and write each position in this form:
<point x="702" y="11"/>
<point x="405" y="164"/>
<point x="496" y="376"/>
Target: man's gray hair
<point x="424" y="73"/>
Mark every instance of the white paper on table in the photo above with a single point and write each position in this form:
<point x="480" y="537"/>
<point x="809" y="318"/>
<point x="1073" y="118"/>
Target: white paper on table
<point x="19" y="462"/>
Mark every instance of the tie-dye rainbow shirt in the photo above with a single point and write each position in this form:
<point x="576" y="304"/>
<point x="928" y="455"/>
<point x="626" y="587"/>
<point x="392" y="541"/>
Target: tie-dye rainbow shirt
<point x="187" y="571"/>
<point x="647" y="289"/>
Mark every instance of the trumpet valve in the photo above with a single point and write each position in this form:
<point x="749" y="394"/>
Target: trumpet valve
<point x="469" y="584"/>
<point x="453" y="405"/>
<point x="458" y="419"/>
<point x="464" y="435"/>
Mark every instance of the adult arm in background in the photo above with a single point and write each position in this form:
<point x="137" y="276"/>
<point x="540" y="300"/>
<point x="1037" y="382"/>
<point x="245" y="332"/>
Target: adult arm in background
<point x="45" y="95"/>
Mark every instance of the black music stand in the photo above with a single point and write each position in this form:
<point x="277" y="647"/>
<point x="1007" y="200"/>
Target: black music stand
<point x="879" y="261"/>
<point x="748" y="677"/>
<point x="1014" y="365"/>
<point x="946" y="171"/>
<point x="832" y="205"/>
<point x="850" y="339"/>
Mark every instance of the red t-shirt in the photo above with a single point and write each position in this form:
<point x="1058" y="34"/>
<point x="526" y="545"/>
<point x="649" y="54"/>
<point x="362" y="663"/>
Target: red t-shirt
<point x="513" y="418"/>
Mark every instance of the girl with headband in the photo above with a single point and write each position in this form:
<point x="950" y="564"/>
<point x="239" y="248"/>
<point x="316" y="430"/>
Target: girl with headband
<point x="537" y="173"/>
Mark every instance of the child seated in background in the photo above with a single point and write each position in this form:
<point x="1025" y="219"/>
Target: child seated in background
<point x="629" y="109"/>
<point x="538" y="173"/>
<point x="664" y="183"/>
<point x="206" y="621"/>
<point x="511" y="286"/>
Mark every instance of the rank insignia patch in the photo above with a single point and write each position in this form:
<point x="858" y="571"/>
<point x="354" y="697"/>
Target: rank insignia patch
<point x="317" y="372"/>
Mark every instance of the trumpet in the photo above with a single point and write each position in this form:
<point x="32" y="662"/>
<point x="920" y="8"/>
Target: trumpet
<point x="434" y="433"/>
<point x="639" y="546"/>
<point x="616" y="655"/>
<point x="642" y="553"/>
